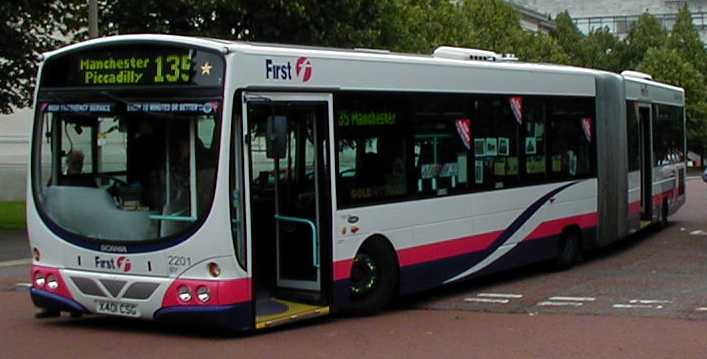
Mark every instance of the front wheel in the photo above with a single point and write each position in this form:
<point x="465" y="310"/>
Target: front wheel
<point x="374" y="277"/>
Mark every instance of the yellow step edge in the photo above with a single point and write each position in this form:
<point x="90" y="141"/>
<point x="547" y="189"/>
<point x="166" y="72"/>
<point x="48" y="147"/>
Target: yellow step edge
<point x="295" y="311"/>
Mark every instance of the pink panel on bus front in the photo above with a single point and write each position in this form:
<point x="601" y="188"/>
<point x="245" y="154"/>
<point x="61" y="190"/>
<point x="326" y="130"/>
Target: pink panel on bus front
<point x="61" y="288"/>
<point x="223" y="292"/>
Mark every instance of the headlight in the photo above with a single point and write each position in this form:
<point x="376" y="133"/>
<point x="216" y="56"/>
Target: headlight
<point x="52" y="282"/>
<point x="39" y="280"/>
<point x="203" y="294"/>
<point x="184" y="293"/>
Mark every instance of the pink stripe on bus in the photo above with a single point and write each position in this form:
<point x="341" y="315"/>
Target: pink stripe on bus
<point x="449" y="248"/>
<point x="555" y="227"/>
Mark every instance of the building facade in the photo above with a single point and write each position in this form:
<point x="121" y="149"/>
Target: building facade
<point x="619" y="16"/>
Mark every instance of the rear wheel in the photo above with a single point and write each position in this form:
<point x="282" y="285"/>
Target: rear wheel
<point x="570" y="250"/>
<point x="374" y="277"/>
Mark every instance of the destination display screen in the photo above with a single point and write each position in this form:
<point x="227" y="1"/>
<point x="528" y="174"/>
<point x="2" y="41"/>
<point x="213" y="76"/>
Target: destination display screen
<point x="135" y="65"/>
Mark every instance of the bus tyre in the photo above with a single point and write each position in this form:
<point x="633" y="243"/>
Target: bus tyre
<point x="374" y="277"/>
<point x="570" y="250"/>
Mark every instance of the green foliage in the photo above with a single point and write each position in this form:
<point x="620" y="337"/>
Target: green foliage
<point x="419" y="26"/>
<point x="491" y="25"/>
<point x="646" y="33"/>
<point x="681" y="73"/>
<point x="686" y="41"/>
<point x="569" y="38"/>
<point x="540" y="47"/>
<point x="28" y="28"/>
<point x="603" y="50"/>
<point x="12" y="215"/>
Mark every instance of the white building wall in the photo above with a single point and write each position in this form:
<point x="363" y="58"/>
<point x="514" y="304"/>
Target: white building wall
<point x="600" y="10"/>
<point x="14" y="152"/>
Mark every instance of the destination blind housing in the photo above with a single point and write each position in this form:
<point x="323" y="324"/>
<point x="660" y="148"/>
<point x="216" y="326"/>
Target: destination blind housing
<point x="135" y="65"/>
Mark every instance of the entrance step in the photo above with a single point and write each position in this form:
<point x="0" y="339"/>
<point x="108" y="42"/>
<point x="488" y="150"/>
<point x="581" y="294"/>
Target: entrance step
<point x="278" y="312"/>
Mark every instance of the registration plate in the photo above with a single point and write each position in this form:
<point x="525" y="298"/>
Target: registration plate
<point x="117" y="308"/>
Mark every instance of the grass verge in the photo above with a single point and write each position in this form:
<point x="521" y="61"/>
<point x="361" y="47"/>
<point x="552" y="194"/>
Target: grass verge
<point x="12" y="216"/>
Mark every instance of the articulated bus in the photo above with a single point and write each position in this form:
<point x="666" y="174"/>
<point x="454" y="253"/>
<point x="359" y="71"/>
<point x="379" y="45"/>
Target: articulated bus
<point x="248" y="185"/>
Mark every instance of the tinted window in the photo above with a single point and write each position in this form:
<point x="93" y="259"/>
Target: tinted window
<point x="668" y="135"/>
<point x="632" y="135"/>
<point x="407" y="146"/>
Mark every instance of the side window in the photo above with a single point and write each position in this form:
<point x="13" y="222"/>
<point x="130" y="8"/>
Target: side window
<point x="571" y="128"/>
<point x="632" y="135"/>
<point x="372" y="145"/>
<point x="496" y="145"/>
<point x="667" y="135"/>
<point x="441" y="145"/>
<point x="536" y="166"/>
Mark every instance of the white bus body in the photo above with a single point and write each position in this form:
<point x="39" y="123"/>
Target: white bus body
<point x="378" y="189"/>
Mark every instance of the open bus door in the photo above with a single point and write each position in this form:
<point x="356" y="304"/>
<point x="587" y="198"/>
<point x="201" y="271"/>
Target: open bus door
<point x="646" y="152"/>
<point x="287" y="159"/>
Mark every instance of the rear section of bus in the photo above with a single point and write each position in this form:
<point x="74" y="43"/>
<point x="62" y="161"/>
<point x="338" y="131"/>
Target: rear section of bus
<point x="128" y="211"/>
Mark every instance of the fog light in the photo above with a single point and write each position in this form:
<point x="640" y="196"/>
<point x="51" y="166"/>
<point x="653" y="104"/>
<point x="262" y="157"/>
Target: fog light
<point x="184" y="293"/>
<point x="35" y="254"/>
<point x="39" y="280"/>
<point x="203" y="294"/>
<point x="214" y="269"/>
<point x="52" y="282"/>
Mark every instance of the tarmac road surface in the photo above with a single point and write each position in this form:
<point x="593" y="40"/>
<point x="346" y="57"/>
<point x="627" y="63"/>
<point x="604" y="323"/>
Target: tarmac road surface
<point x="643" y="298"/>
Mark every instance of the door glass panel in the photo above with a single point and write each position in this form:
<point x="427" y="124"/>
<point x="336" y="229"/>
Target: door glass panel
<point x="286" y="213"/>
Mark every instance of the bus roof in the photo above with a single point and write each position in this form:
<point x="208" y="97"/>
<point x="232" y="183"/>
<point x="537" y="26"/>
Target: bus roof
<point x="367" y="55"/>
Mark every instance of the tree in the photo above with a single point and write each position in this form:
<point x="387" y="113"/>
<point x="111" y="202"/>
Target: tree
<point x="602" y="50"/>
<point x="646" y="33"/>
<point x="686" y="41"/>
<point x="492" y="25"/>
<point x="28" y="28"/>
<point x="569" y="38"/>
<point x="681" y="73"/>
<point x="540" y="47"/>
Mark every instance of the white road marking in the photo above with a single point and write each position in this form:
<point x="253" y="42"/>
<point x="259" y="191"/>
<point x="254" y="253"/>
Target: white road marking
<point x="486" y="300"/>
<point x="698" y="232"/>
<point x="637" y="306"/>
<point x="500" y="295"/>
<point x="650" y="301"/>
<point x="560" y="304"/>
<point x="701" y="309"/>
<point x="574" y="299"/>
<point x="23" y="285"/>
<point x="13" y="263"/>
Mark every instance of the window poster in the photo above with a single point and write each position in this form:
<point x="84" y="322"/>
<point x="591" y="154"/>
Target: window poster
<point x="535" y="164"/>
<point x="539" y="129"/>
<point x="461" y="165"/>
<point x="499" y="167"/>
<point x="556" y="163"/>
<point x="491" y="146"/>
<point x="478" y="172"/>
<point x="503" y="144"/>
<point x="572" y="159"/>
<point x="512" y="166"/>
<point x="530" y="145"/>
<point x="479" y="147"/>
